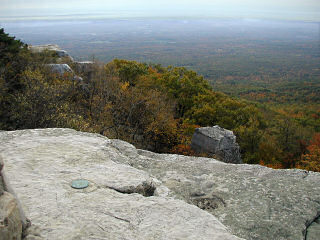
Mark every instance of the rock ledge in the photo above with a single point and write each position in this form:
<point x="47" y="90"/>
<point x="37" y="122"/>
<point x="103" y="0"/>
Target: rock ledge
<point x="121" y="202"/>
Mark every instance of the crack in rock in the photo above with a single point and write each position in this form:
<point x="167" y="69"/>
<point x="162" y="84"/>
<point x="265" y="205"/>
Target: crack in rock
<point x="313" y="228"/>
<point x="146" y="189"/>
<point x="208" y="202"/>
<point x="119" y="218"/>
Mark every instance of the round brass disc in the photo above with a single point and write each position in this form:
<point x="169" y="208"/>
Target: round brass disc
<point x="80" y="184"/>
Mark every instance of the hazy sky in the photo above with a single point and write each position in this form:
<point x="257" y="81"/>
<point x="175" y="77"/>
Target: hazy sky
<point x="279" y="9"/>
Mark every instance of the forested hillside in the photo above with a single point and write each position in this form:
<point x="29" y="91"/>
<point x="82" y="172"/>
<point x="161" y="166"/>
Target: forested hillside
<point x="151" y="106"/>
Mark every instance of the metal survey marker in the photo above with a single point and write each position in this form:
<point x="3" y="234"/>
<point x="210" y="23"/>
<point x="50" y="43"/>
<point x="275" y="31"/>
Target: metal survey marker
<point x="80" y="184"/>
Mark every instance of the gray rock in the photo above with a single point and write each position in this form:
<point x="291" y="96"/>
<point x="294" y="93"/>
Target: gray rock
<point x="10" y="222"/>
<point x="121" y="202"/>
<point x="218" y="142"/>
<point x="50" y="47"/>
<point x="1" y="186"/>
<point x="84" y="67"/>
<point x="255" y="202"/>
<point x="1" y="163"/>
<point x="77" y="78"/>
<point x="62" y="53"/>
<point x="60" y="69"/>
<point x="313" y="231"/>
<point x="1" y="180"/>
<point x="6" y="188"/>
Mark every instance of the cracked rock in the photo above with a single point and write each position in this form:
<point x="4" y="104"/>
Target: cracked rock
<point x="226" y="201"/>
<point x="255" y="202"/>
<point x="41" y="164"/>
<point x="313" y="230"/>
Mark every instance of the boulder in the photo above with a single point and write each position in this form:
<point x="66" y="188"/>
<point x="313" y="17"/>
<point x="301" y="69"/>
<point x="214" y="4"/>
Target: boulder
<point x="121" y="202"/>
<point x="218" y="142"/>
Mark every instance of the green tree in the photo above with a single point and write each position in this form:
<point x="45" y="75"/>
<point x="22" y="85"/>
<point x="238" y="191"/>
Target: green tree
<point x="14" y="57"/>
<point x="129" y="71"/>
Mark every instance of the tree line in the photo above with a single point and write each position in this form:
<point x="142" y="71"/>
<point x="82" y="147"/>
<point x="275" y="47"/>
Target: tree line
<point x="151" y="106"/>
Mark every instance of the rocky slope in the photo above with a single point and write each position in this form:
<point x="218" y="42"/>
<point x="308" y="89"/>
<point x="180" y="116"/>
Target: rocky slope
<point x="136" y="194"/>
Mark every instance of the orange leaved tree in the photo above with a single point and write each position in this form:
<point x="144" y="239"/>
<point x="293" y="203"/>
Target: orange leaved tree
<point x="311" y="160"/>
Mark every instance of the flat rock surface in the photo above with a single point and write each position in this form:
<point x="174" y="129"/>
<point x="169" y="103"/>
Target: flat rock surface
<point x="121" y="202"/>
<point x="256" y="202"/>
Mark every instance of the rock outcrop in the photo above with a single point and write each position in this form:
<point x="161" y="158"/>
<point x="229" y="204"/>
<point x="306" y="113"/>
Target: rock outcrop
<point x="121" y="201"/>
<point x="136" y="194"/>
<point x="50" y="47"/>
<point x="218" y="142"/>
<point x="84" y="68"/>
<point x="255" y="202"/>
<point x="60" y="68"/>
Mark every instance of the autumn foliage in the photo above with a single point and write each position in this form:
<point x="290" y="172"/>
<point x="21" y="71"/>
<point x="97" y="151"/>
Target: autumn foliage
<point x="153" y="107"/>
<point x="311" y="160"/>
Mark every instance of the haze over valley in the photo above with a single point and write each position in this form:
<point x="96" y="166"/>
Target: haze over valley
<point x="248" y="52"/>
